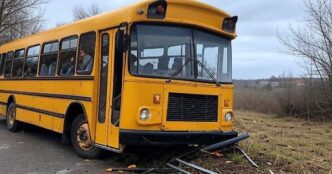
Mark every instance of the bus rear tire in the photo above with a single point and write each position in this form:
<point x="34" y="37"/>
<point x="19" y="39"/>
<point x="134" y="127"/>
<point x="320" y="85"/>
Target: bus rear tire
<point x="81" y="139"/>
<point x="12" y="123"/>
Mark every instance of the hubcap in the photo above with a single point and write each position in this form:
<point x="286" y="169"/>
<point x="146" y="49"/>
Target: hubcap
<point x="11" y="116"/>
<point x="83" y="137"/>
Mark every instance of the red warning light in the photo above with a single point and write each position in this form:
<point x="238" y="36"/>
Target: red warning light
<point x="160" y="10"/>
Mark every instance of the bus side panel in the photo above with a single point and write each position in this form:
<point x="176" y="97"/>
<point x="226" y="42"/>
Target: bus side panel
<point x="58" y="124"/>
<point x="41" y="120"/>
<point x="3" y="110"/>
<point x="75" y="88"/>
<point x="61" y="107"/>
<point x="3" y="100"/>
<point x="27" y="116"/>
<point x="46" y="121"/>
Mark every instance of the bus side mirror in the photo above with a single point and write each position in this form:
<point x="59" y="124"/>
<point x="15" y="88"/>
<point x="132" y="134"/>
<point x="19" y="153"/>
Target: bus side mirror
<point x="122" y="41"/>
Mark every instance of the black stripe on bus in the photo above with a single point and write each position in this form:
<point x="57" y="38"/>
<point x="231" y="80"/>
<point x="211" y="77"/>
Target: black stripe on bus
<point x="41" y="111"/>
<point x="60" y="96"/>
<point x="48" y="78"/>
<point x="3" y="103"/>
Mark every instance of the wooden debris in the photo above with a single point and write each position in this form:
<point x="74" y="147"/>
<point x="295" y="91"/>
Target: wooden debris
<point x="132" y="166"/>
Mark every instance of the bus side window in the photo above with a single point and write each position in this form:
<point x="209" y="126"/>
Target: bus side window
<point x="103" y="77"/>
<point x="31" y="62"/>
<point x="49" y="59"/>
<point x="2" y="64"/>
<point x="86" y="53"/>
<point x="67" y="58"/>
<point x="9" y="64"/>
<point x="18" y="63"/>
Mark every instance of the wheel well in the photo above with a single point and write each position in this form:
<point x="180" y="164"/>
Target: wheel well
<point x="11" y="99"/>
<point x="73" y="111"/>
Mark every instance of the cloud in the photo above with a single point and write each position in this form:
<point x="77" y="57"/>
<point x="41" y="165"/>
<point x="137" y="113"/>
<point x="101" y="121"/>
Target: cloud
<point x="257" y="51"/>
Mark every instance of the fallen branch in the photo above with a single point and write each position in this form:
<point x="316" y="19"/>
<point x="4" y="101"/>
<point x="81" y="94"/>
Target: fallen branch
<point x="247" y="157"/>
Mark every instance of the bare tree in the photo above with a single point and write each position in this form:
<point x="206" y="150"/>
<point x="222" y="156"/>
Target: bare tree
<point x="19" y="18"/>
<point x="312" y="41"/>
<point x="80" y="12"/>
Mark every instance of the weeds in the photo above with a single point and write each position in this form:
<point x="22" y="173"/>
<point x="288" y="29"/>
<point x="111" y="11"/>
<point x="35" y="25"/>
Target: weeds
<point x="320" y="151"/>
<point x="237" y="158"/>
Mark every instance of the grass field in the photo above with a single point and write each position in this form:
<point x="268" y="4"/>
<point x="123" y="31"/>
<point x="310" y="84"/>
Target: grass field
<point x="278" y="145"/>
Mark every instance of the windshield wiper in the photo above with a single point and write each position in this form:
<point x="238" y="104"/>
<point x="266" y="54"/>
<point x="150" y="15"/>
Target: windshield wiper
<point x="199" y="63"/>
<point x="207" y="71"/>
<point x="178" y="71"/>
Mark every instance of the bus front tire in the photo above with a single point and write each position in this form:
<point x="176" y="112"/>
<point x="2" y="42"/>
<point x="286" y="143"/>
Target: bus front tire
<point x="81" y="139"/>
<point x="12" y="123"/>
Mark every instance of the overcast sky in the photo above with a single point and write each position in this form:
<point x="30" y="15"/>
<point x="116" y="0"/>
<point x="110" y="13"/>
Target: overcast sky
<point x="257" y="52"/>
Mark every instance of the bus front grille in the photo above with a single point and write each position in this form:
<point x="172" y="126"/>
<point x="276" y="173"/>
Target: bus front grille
<point x="192" y="108"/>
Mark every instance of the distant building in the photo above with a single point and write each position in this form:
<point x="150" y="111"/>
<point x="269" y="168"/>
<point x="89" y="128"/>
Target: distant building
<point x="268" y="83"/>
<point x="299" y="82"/>
<point x="263" y="83"/>
<point x="275" y="84"/>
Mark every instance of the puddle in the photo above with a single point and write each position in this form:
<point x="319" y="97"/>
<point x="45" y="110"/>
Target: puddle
<point x="4" y="146"/>
<point x="63" y="171"/>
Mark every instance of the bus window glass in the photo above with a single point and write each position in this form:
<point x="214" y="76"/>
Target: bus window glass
<point x="65" y="44"/>
<point x="149" y="43"/>
<point x="31" y="62"/>
<point x="18" y="63"/>
<point x="214" y="53"/>
<point x="153" y="52"/>
<point x="9" y="64"/>
<point x="55" y="47"/>
<point x="177" y="57"/>
<point x="225" y="61"/>
<point x="33" y="51"/>
<point x="68" y="57"/>
<point x="19" y="54"/>
<point x="86" y="53"/>
<point x="103" y="77"/>
<point x="2" y="63"/>
<point x="152" y="42"/>
<point x="47" y="48"/>
<point x="48" y="59"/>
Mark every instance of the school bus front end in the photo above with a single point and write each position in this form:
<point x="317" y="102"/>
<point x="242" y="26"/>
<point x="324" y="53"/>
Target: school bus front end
<point x="178" y="76"/>
<point x="176" y="113"/>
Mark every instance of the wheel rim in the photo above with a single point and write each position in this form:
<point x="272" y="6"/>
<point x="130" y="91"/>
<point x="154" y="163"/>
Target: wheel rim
<point x="83" y="137"/>
<point x="11" y="116"/>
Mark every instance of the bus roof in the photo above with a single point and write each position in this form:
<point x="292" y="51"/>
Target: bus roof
<point x="190" y="12"/>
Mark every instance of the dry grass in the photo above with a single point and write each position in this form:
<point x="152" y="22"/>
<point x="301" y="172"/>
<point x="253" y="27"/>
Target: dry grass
<point x="282" y="145"/>
<point x="296" y="145"/>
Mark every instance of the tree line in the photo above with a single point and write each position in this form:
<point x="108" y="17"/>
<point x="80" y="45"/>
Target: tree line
<point x="312" y="42"/>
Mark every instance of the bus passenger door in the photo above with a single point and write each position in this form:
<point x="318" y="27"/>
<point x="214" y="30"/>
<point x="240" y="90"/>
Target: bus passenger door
<point x="107" y="134"/>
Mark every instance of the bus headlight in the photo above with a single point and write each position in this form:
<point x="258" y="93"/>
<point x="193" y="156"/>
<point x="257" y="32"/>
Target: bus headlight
<point x="145" y="114"/>
<point x="229" y="117"/>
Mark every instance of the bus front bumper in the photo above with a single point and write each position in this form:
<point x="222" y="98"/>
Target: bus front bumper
<point x="131" y="137"/>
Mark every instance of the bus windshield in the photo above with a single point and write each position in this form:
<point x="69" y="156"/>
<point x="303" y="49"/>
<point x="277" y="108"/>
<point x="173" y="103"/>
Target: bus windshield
<point x="162" y="50"/>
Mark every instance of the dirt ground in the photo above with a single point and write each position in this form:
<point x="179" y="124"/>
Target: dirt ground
<point x="278" y="145"/>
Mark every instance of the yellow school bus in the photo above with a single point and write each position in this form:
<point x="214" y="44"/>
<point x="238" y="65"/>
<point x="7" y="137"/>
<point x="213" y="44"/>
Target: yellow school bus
<point x="154" y="73"/>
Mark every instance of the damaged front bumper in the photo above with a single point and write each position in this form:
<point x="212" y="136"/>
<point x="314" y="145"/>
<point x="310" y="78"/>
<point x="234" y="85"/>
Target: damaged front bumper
<point x="131" y="137"/>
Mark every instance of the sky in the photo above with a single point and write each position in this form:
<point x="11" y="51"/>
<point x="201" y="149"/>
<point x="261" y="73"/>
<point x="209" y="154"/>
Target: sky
<point x="257" y="52"/>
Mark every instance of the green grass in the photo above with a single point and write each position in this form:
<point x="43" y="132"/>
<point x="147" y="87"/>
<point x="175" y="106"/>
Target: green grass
<point x="237" y="158"/>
